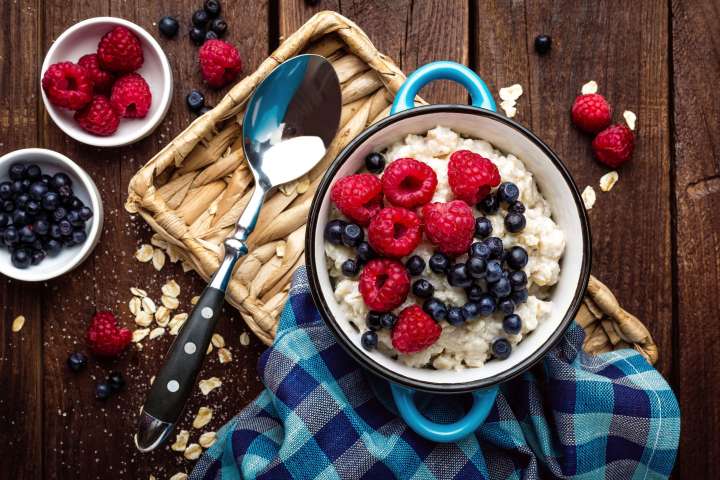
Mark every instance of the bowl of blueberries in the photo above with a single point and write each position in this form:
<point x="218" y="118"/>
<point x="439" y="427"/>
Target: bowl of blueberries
<point x="50" y="215"/>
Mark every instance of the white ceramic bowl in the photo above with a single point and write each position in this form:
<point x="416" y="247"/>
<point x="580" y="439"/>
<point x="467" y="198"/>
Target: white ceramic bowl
<point x="82" y="38"/>
<point x="83" y="187"/>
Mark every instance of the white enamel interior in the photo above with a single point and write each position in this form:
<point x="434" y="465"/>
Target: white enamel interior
<point x="551" y="184"/>
<point x="83" y="38"/>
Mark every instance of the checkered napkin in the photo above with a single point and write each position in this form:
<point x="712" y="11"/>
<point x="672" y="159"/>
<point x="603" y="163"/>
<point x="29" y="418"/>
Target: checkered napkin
<point x="322" y="416"/>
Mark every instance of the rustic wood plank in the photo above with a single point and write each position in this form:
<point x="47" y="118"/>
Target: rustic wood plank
<point x="21" y="409"/>
<point x="695" y="31"/>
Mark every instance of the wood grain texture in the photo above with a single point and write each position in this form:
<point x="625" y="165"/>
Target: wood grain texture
<point x="696" y="61"/>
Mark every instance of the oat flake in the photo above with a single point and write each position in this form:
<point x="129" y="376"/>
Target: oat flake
<point x="218" y="340"/>
<point x="171" y="289"/>
<point x="148" y="305"/>
<point x="170" y="302"/>
<point x="608" y="181"/>
<point x="144" y="253"/>
<point x="181" y="441"/>
<point x="157" y="332"/>
<point x="162" y="316"/>
<point x="224" y="355"/>
<point x="18" y="323"/>
<point x="513" y="92"/>
<point x="158" y="259"/>
<point x="630" y="119"/>
<point x="589" y="87"/>
<point x="508" y="107"/>
<point x="588" y="196"/>
<point x="207" y="439"/>
<point x="138" y="292"/>
<point x="179" y="476"/>
<point x="139" y="334"/>
<point x="193" y="451"/>
<point x="203" y="417"/>
<point x="210" y="384"/>
<point x="244" y="339"/>
<point x="143" y="318"/>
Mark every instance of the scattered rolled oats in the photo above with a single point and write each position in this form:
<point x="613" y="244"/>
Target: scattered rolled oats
<point x="630" y="119"/>
<point x="143" y="318"/>
<point x="171" y="289"/>
<point x="513" y="92"/>
<point x="210" y="384"/>
<point x="162" y="316"/>
<point x="194" y="300"/>
<point x="158" y="259"/>
<point x="181" y="441"/>
<point x="157" y="332"/>
<point x="148" y="305"/>
<point x="139" y="334"/>
<point x="209" y="349"/>
<point x="138" y="292"/>
<point x="18" y="323"/>
<point x="170" y="302"/>
<point x="224" y="355"/>
<point x="134" y="305"/>
<point x="608" y="181"/>
<point x="207" y="439"/>
<point x="193" y="451"/>
<point x="588" y="196"/>
<point x="177" y="322"/>
<point x="218" y="340"/>
<point x="508" y="107"/>
<point x="144" y="253"/>
<point x="589" y="87"/>
<point x="203" y="417"/>
<point x="179" y="476"/>
<point x="244" y="339"/>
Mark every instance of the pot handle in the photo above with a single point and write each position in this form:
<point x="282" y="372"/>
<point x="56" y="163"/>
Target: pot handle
<point x="443" y="70"/>
<point x="483" y="401"/>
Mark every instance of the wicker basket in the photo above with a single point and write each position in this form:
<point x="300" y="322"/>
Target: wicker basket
<point x="193" y="190"/>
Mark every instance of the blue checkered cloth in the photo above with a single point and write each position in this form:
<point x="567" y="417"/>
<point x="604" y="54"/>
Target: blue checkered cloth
<point x="322" y="416"/>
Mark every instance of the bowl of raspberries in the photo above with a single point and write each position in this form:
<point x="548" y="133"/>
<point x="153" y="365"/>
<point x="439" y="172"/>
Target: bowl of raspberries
<point x="448" y="249"/>
<point x="106" y="82"/>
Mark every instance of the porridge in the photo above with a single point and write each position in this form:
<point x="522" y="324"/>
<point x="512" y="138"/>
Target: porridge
<point x="442" y="251"/>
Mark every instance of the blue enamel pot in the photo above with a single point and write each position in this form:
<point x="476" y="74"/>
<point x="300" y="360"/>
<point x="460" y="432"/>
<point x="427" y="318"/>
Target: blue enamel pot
<point x="481" y="121"/>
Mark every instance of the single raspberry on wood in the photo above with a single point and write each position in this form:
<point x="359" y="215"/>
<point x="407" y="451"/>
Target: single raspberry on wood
<point x="67" y="85"/>
<point x="131" y="97"/>
<point x="120" y="51"/>
<point x="591" y="112"/>
<point x="220" y="63"/>
<point x="450" y="226"/>
<point x="414" y="330"/>
<point x="394" y="232"/>
<point x="384" y="284"/>
<point x="98" y="117"/>
<point x="102" y="79"/>
<point x="104" y="337"/>
<point x="614" y="145"/>
<point x="471" y="176"/>
<point x="358" y="196"/>
<point x="409" y="183"/>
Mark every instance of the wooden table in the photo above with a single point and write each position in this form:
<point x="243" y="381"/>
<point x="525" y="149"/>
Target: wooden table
<point x="656" y="235"/>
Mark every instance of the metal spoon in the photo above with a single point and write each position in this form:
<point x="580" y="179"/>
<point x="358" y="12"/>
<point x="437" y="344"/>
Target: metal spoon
<point x="289" y="123"/>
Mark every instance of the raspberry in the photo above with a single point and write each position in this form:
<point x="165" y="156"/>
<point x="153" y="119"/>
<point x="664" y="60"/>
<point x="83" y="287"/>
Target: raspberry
<point x="471" y="176"/>
<point x="131" y="96"/>
<point x="67" y="85"/>
<point x="120" y="51"/>
<point x="358" y="196"/>
<point x="384" y="284"/>
<point x="394" y="232"/>
<point x="98" y="117"/>
<point x="614" y="145"/>
<point x="414" y="330"/>
<point x="408" y="183"/>
<point x="104" y="337"/>
<point x="220" y="63"/>
<point x="102" y="80"/>
<point x="450" y="226"/>
<point x="591" y="113"/>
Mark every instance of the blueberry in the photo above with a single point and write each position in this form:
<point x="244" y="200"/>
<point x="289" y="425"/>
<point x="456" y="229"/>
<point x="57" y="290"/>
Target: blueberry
<point x="26" y="234"/>
<point x="518" y="279"/>
<point x="26" y="184"/>
<point x="102" y="391"/>
<point x="37" y="190"/>
<point x="476" y="267"/>
<point x="387" y="320"/>
<point x="33" y="207"/>
<point x="415" y="265"/>
<point x="50" y="201"/>
<point x="74" y="203"/>
<point x="512" y="324"/>
<point x="501" y="348"/>
<point x="455" y="316"/>
<point x="77" y="361"/>
<point x="212" y="7"/>
<point x="11" y="236"/>
<point x="369" y="340"/>
<point x="489" y="204"/>
<point x="519" y="296"/>
<point x="516" y="207"/>
<point x="516" y="258"/>
<point x="65" y="193"/>
<point x="508" y="192"/>
<point x="37" y="257"/>
<point x="52" y="247"/>
<point x="195" y="101"/>
<point x="543" y="44"/>
<point x="486" y="304"/>
<point x="210" y="35"/>
<point x="65" y="228"/>
<point x="435" y="308"/>
<point x="116" y="381"/>
<point x="21" y="217"/>
<point x="73" y="217"/>
<point x="479" y="249"/>
<point x="496" y="247"/>
<point x="20" y="258"/>
<point x="17" y="187"/>
<point x="6" y="191"/>
<point x="439" y="263"/>
<point x="501" y="288"/>
<point x="349" y="267"/>
<point x="219" y="26"/>
<point x="8" y="206"/>
<point x="197" y="35"/>
<point x="470" y="310"/>
<point x="17" y="171"/>
<point x="22" y="200"/>
<point x="46" y="179"/>
<point x="79" y="236"/>
<point x="55" y="231"/>
<point x="333" y="231"/>
<point x="32" y="172"/>
<point x="200" y="18"/>
<point x="168" y="26"/>
<point x="352" y="234"/>
<point x="422" y="288"/>
<point x="458" y="276"/>
<point x="373" y="320"/>
<point x="61" y="180"/>
<point x="375" y="162"/>
<point x="5" y="219"/>
<point x="473" y="293"/>
<point x="494" y="271"/>
<point x="59" y="213"/>
<point x="85" y="213"/>
<point x="506" y="306"/>
<point x="483" y="227"/>
<point x="514" y="222"/>
<point x="364" y="251"/>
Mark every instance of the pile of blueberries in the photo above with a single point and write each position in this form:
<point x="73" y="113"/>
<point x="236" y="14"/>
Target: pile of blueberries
<point x="104" y="388"/>
<point x="206" y="24"/>
<point x="39" y="214"/>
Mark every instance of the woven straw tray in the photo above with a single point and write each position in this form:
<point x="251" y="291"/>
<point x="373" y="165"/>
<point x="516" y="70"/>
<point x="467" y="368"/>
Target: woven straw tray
<point x="192" y="192"/>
